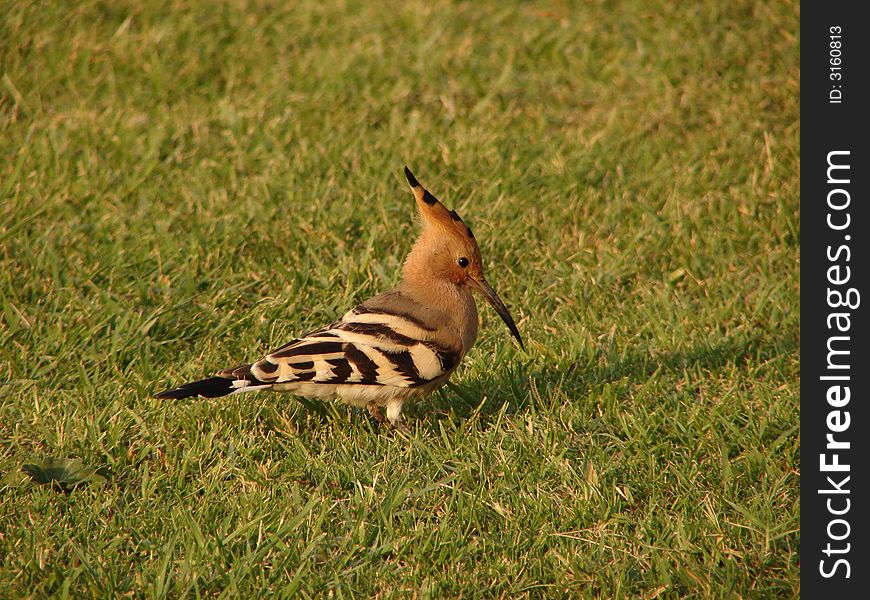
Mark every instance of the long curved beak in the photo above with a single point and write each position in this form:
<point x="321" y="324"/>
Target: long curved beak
<point x="484" y="288"/>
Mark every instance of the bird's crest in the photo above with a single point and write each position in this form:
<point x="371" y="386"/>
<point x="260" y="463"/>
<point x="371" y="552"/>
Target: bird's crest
<point x="435" y="214"/>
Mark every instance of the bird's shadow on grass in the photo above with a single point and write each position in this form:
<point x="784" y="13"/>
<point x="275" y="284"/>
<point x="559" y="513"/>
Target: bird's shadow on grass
<point x="516" y="387"/>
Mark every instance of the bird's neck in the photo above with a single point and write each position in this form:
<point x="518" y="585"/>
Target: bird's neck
<point x="455" y="301"/>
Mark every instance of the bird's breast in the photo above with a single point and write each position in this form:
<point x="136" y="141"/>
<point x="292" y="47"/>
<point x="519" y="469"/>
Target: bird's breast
<point x="468" y="323"/>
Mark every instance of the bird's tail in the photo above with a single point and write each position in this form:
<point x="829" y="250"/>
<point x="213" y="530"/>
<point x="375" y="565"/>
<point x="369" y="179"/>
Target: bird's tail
<point x="230" y="381"/>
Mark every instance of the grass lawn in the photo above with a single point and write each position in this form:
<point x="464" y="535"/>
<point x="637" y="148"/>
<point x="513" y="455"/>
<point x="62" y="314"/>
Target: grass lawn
<point x="184" y="185"/>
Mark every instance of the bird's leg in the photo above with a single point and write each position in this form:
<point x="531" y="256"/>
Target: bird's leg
<point x="394" y="416"/>
<point x="383" y="421"/>
<point x="376" y="414"/>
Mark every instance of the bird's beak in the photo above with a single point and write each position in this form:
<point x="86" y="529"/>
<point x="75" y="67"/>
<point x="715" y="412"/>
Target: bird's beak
<point x="484" y="288"/>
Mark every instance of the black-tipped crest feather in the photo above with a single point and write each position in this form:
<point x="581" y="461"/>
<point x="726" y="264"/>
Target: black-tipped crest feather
<point x="412" y="181"/>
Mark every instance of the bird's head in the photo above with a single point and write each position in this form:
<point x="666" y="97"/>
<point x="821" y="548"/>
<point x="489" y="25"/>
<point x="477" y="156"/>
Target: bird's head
<point x="448" y="251"/>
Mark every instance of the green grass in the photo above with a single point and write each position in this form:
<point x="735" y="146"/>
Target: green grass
<point x="187" y="184"/>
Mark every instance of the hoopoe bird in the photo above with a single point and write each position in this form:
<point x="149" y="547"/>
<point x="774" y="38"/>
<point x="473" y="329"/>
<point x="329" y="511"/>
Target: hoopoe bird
<point x="398" y="345"/>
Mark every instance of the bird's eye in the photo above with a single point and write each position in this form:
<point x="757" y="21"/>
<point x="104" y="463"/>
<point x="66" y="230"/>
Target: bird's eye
<point x="463" y="262"/>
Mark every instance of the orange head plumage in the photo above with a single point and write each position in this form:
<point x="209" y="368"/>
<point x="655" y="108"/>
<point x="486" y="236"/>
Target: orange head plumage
<point x="447" y="251"/>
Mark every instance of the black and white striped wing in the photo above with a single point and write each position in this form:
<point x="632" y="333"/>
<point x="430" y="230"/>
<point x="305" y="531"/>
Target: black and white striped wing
<point x="365" y="348"/>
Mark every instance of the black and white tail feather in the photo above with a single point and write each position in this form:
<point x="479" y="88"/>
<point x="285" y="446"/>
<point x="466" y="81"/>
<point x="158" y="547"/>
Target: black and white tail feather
<point x="386" y="342"/>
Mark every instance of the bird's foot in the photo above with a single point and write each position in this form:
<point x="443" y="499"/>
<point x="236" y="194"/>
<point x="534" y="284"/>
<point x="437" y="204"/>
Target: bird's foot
<point x="400" y="427"/>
